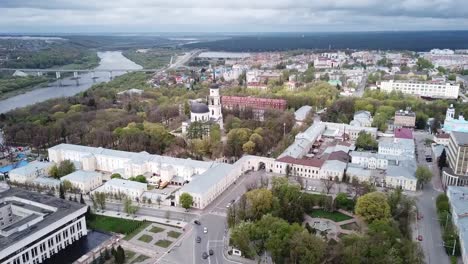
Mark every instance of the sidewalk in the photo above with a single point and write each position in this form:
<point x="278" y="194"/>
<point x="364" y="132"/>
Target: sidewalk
<point x="164" y="221"/>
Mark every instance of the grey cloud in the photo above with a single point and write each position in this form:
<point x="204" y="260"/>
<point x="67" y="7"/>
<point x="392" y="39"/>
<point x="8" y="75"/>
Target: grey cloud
<point x="242" y="14"/>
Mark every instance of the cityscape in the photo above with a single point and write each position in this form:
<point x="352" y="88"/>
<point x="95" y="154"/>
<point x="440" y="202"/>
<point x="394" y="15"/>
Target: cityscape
<point x="253" y="140"/>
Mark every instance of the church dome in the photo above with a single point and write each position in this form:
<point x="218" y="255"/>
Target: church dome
<point x="199" y="108"/>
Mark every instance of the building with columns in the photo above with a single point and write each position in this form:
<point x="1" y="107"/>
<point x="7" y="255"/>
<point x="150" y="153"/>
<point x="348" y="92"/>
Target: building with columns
<point x="34" y="227"/>
<point x="457" y="159"/>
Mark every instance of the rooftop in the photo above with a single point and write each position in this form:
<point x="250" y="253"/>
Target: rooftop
<point x="404" y="133"/>
<point x="203" y="182"/>
<point x="302" y="112"/>
<point x="461" y="138"/>
<point x="304" y="162"/>
<point x="31" y="168"/>
<point x="126" y="184"/>
<point x="63" y="208"/>
<point x="81" y="176"/>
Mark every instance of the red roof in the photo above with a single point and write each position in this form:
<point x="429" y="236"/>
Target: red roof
<point x="443" y="135"/>
<point x="339" y="155"/>
<point x="403" y="133"/>
<point x="304" y="162"/>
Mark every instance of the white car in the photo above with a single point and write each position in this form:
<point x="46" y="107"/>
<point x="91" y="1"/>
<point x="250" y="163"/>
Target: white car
<point x="205" y="230"/>
<point x="309" y="188"/>
<point x="228" y="205"/>
<point x="314" y="189"/>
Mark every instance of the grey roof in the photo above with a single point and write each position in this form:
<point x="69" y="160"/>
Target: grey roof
<point x="402" y="143"/>
<point x="199" y="108"/>
<point x="356" y="170"/>
<point x="458" y="199"/>
<point x="47" y="181"/>
<point x="304" y="141"/>
<point x="460" y="137"/>
<point x="335" y="165"/>
<point x="405" y="169"/>
<point x="302" y="112"/>
<point x="362" y="114"/>
<point x="368" y="154"/>
<point x="126" y="184"/>
<point x="203" y="182"/>
<point x="31" y="167"/>
<point x="135" y="157"/>
<point x="64" y="208"/>
<point x="81" y="176"/>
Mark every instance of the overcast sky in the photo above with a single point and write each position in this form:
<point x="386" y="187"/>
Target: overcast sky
<point x="42" y="16"/>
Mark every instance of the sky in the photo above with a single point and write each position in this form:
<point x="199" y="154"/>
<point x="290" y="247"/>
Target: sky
<point x="88" y="16"/>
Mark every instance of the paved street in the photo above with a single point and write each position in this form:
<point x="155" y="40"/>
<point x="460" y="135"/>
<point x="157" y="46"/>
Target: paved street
<point x="161" y="213"/>
<point x="429" y="226"/>
<point x="361" y="87"/>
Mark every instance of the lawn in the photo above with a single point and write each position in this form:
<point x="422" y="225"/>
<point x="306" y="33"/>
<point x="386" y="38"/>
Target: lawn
<point x="129" y="254"/>
<point x="139" y="259"/>
<point x="174" y="234"/>
<point x="350" y="226"/>
<point x="112" y="224"/>
<point x="334" y="216"/>
<point x="145" y="238"/>
<point x="163" y="243"/>
<point x="156" y="229"/>
<point x="137" y="231"/>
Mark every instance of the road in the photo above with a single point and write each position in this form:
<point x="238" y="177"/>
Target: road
<point x="155" y="212"/>
<point x="361" y="87"/>
<point x="214" y="218"/>
<point x="429" y="226"/>
<point x="181" y="60"/>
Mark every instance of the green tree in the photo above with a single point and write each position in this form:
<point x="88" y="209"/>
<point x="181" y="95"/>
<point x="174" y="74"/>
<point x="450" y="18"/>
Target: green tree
<point x="65" y="167"/>
<point x="423" y="175"/>
<point x="423" y="64"/>
<point x="366" y="142"/>
<point x="119" y="255"/>
<point x="116" y="176"/>
<point x="67" y="185"/>
<point x="259" y="202"/>
<point x="442" y="161"/>
<point x="306" y="248"/>
<point x="139" y="178"/>
<point x="342" y="202"/>
<point x="373" y="206"/>
<point x="61" y="191"/>
<point x="53" y="172"/>
<point x="249" y="147"/>
<point x="129" y="208"/>
<point x="82" y="201"/>
<point x="186" y="200"/>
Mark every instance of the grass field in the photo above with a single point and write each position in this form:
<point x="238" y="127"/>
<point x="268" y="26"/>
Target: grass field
<point x="334" y="216"/>
<point x="139" y="259"/>
<point x="156" y="229"/>
<point x="112" y="224"/>
<point x="163" y="243"/>
<point x="145" y="238"/>
<point x="137" y="231"/>
<point x="129" y="254"/>
<point x="174" y="234"/>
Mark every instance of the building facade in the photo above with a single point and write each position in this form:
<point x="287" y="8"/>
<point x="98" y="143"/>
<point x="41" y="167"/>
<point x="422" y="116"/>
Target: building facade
<point x="457" y="158"/>
<point x="404" y="118"/>
<point x="454" y="124"/>
<point x="41" y="227"/>
<point x="424" y="89"/>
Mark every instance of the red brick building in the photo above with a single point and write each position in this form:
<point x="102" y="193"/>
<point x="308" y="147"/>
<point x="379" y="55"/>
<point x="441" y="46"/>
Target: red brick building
<point x="240" y="102"/>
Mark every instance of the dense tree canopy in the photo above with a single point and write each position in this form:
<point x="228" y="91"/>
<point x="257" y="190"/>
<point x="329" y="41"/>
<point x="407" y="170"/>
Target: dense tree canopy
<point x="372" y="207"/>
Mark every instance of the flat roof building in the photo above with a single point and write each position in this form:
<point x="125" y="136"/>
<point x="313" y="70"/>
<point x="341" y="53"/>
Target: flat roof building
<point x="33" y="226"/>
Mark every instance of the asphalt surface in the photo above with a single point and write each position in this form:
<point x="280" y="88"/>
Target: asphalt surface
<point x="428" y="227"/>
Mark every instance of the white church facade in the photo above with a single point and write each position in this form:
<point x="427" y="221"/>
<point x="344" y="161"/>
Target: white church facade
<point x="206" y="114"/>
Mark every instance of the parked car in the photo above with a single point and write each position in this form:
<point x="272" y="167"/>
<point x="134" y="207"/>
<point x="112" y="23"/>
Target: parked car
<point x="211" y="252"/>
<point x="314" y="189"/>
<point x="309" y="188"/>
<point x="205" y="230"/>
<point x="197" y="222"/>
<point x="204" y="255"/>
<point x="420" y="238"/>
<point x="198" y="239"/>
<point x="228" y="205"/>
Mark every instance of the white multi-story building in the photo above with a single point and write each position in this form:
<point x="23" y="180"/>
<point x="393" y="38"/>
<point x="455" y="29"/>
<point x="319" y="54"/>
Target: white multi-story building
<point x="458" y="198"/>
<point x="362" y="118"/>
<point x="397" y="147"/>
<point x="424" y="89"/>
<point x="34" y="227"/>
<point x="30" y="172"/>
<point x="85" y="181"/>
<point x="131" y="189"/>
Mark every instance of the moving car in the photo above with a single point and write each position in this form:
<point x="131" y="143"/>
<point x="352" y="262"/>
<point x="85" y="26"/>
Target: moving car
<point x="198" y="239"/>
<point x="420" y="238"/>
<point x="211" y="252"/>
<point x="205" y="230"/>
<point x="197" y="222"/>
<point x="204" y="255"/>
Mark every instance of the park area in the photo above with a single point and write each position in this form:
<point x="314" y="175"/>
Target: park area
<point x="334" y="216"/>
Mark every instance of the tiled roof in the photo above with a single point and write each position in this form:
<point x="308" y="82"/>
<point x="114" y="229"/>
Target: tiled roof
<point x="304" y="162"/>
<point x="404" y="133"/>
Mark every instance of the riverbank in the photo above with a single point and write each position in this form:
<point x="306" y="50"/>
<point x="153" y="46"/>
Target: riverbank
<point x="151" y="58"/>
<point x="68" y="86"/>
<point x="10" y="87"/>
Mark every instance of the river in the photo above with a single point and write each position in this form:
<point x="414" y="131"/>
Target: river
<point x="69" y="86"/>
